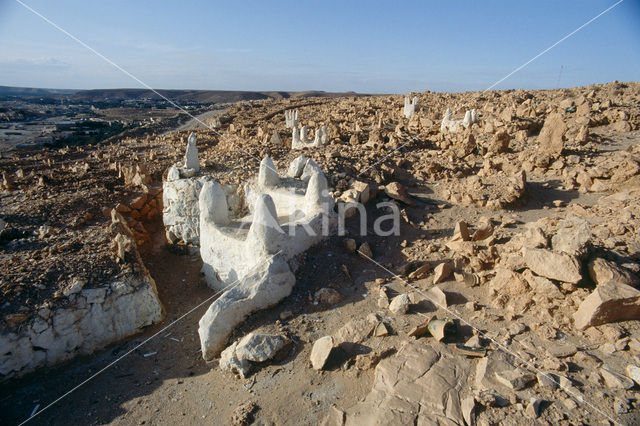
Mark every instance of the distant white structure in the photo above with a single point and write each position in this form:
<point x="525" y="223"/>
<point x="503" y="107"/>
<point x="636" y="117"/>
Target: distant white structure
<point x="410" y="106"/>
<point x="291" y="118"/>
<point x="470" y="117"/>
<point x="300" y="140"/>
<point x="191" y="156"/>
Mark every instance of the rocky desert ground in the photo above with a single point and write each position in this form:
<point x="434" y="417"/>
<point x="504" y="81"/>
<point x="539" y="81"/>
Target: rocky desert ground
<point x="519" y="223"/>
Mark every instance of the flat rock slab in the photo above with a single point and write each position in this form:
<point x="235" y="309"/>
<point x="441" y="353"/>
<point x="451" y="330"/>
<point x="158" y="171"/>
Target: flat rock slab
<point x="556" y="266"/>
<point x="515" y="379"/>
<point x="419" y="385"/>
<point x="609" y="302"/>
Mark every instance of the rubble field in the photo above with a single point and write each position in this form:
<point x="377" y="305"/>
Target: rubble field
<point x="508" y="296"/>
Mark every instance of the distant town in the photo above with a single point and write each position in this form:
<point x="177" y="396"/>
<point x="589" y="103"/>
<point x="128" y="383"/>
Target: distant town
<point x="31" y="121"/>
<point x="33" y="117"/>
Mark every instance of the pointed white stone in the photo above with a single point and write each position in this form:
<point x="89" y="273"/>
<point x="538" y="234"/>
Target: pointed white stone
<point x="265" y="226"/>
<point x="213" y="204"/>
<point x="268" y="175"/>
<point x="297" y="166"/>
<point x="317" y="194"/>
<point x="466" y="122"/>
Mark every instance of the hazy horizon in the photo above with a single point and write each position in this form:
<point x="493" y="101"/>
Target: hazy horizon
<point x="372" y="47"/>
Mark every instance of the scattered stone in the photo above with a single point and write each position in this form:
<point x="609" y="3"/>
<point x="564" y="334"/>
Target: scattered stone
<point x="489" y="398"/>
<point x="400" y="304"/>
<point x="461" y="232"/>
<point x="441" y="272"/>
<point x="356" y="330"/>
<point x="601" y="271"/>
<point x="328" y="296"/>
<point x="556" y="266"/>
<point x="484" y="230"/>
<point x="420" y="329"/>
<point x="548" y="380"/>
<point x="609" y="302"/>
<point x="259" y="347"/>
<point x="403" y="379"/>
<point x="381" y="330"/>
<point x="474" y="342"/>
<point x="572" y="236"/>
<point x="534" y="237"/>
<point x="365" y="251"/>
<point x="350" y="244"/>
<point x="515" y="379"/>
<point x="569" y="404"/>
<point x="320" y="352"/>
<point x="633" y="371"/>
<point x="383" y="298"/>
<point x="562" y="351"/>
<point x="437" y="297"/>
<point x="230" y="362"/>
<point x="243" y="415"/>
<point x="420" y="273"/>
<point x="551" y="136"/>
<point x="533" y="409"/>
<point x="398" y="192"/>
<point x="500" y="143"/>
<point x="508" y="282"/>
<point x="616" y="381"/>
<point x="621" y="405"/>
<point x="370" y="360"/>
<point x="76" y="286"/>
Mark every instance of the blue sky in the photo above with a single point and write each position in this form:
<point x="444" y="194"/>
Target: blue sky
<point x="365" y="46"/>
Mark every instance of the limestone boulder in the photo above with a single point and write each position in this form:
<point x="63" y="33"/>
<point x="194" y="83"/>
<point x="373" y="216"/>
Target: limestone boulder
<point x="258" y="347"/>
<point x="601" y="271"/>
<point x="266" y="285"/>
<point x="572" y="236"/>
<point x="610" y="301"/>
<point x="551" y="136"/>
<point x="400" y="304"/>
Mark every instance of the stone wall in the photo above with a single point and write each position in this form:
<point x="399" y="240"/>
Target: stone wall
<point x="142" y="209"/>
<point x="86" y="320"/>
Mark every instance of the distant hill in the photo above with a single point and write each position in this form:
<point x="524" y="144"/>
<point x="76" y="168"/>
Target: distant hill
<point x="33" y="91"/>
<point x="202" y="96"/>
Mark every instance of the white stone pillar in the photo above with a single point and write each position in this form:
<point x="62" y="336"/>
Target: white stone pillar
<point x="191" y="156"/>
